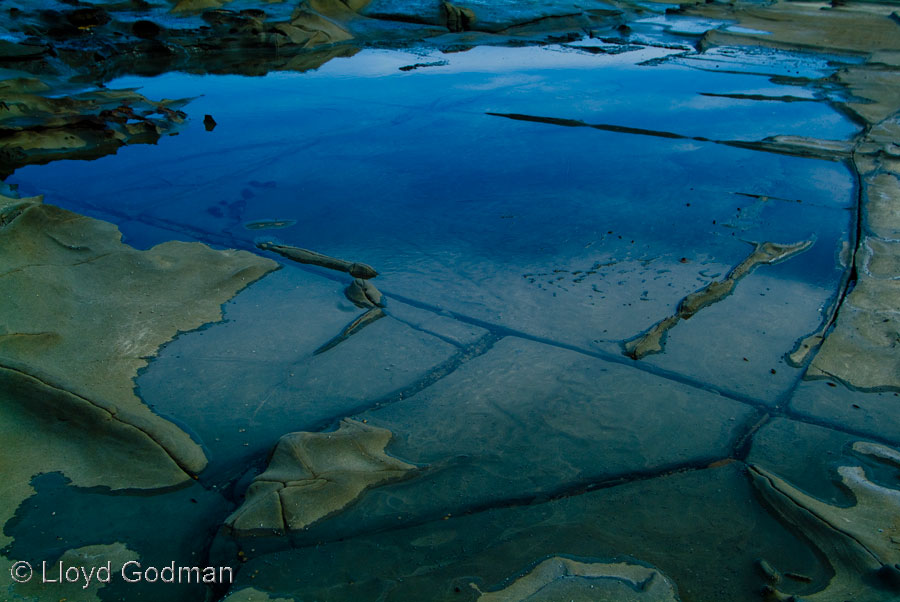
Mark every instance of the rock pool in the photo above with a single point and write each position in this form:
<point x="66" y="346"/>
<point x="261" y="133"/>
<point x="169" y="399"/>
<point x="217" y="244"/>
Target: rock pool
<point x="409" y="301"/>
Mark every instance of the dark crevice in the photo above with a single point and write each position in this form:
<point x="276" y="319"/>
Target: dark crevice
<point x="477" y="349"/>
<point x="424" y="330"/>
<point x="188" y="472"/>
<point x="502" y="331"/>
<point x="847" y="283"/>
<point x="744" y="441"/>
<point x="762" y="97"/>
<point x="567" y="490"/>
<point x="814" y="421"/>
<point x="769" y="145"/>
<point x="597" y="126"/>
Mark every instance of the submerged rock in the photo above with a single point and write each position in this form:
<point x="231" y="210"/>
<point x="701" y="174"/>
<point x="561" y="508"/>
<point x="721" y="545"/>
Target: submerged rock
<point x="653" y="340"/>
<point x="560" y="578"/>
<point x="251" y="594"/>
<point x="676" y="523"/>
<point x="364" y="294"/>
<point x="313" y="475"/>
<point x="357" y="270"/>
<point x="275" y="224"/>
<point x="352" y="328"/>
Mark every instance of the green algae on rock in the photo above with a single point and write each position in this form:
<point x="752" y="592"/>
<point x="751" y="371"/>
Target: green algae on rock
<point x="81" y="314"/>
<point x="860" y="541"/>
<point x="313" y="475"/>
<point x="560" y="578"/>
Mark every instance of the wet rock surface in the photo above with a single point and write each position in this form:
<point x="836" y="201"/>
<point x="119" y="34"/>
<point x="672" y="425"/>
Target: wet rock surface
<point x="764" y="253"/>
<point x="64" y="276"/>
<point x="313" y="475"/>
<point x="560" y="578"/>
<point x="713" y="510"/>
<point x="82" y="312"/>
<point x="561" y="177"/>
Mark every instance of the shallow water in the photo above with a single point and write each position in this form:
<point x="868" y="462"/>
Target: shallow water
<point x="517" y="257"/>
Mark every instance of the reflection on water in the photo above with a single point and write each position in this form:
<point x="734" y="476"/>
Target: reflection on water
<point x="515" y="257"/>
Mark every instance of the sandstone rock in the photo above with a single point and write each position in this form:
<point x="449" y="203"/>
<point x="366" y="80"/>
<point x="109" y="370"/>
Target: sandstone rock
<point x="313" y="475"/>
<point x="652" y="340"/>
<point x="357" y="270"/>
<point x="860" y="541"/>
<point x="364" y="294"/>
<point x="81" y="314"/>
<point x="560" y="578"/>
<point x="458" y="18"/>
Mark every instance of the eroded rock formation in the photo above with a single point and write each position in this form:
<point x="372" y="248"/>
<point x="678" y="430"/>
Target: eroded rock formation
<point x="80" y="314"/>
<point x="859" y="541"/>
<point x="653" y="340"/>
<point x="560" y="578"/>
<point x="357" y="270"/>
<point x="313" y="475"/>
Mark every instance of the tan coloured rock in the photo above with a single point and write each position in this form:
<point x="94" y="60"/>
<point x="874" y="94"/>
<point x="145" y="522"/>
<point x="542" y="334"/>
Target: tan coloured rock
<point x="458" y="18"/>
<point x="858" y="541"/>
<point x="251" y="594"/>
<point x="309" y="28"/>
<point x="882" y="207"/>
<point x="652" y="340"/>
<point x="80" y="314"/>
<point x="364" y="294"/>
<point x="863" y="349"/>
<point x="559" y="578"/>
<point x="880" y="88"/>
<point x="357" y="270"/>
<point x="313" y="475"/>
<point x="801" y="25"/>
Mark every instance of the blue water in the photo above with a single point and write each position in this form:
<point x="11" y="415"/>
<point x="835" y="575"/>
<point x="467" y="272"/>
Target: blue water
<point x="405" y="170"/>
<point x="494" y="222"/>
